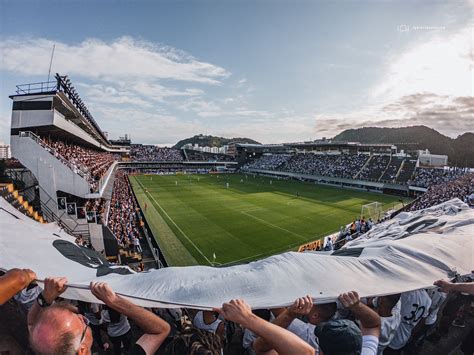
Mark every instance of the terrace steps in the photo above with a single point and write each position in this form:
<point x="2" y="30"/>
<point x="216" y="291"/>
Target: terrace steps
<point x="367" y="162"/>
<point x="9" y="193"/>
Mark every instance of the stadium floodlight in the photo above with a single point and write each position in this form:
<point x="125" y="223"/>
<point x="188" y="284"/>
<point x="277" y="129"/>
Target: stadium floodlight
<point x="372" y="210"/>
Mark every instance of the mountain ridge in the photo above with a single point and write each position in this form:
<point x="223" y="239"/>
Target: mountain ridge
<point x="460" y="150"/>
<point x="212" y="141"/>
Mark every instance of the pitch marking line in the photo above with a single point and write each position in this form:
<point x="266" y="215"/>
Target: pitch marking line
<point x="252" y="209"/>
<point x="273" y="225"/>
<point x="181" y="231"/>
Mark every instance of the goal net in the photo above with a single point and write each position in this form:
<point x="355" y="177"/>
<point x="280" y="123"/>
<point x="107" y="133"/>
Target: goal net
<point x="372" y="210"/>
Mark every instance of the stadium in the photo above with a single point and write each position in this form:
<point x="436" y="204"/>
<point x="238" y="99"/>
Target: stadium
<point x="324" y="246"/>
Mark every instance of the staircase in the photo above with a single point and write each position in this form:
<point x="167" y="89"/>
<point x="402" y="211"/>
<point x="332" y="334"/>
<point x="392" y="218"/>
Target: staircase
<point x="9" y="193"/>
<point x="185" y="154"/>
<point x="363" y="167"/>
<point x="400" y="169"/>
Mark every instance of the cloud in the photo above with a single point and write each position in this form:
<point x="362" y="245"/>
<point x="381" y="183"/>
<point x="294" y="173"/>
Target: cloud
<point x="123" y="58"/>
<point x="147" y="127"/>
<point x="97" y="93"/>
<point x="447" y="114"/>
<point x="428" y="83"/>
<point x="441" y="64"/>
<point x="282" y="128"/>
<point x="158" y="92"/>
<point x="238" y="112"/>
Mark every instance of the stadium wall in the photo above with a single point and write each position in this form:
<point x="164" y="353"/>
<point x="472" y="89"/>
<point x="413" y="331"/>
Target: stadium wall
<point x="151" y="240"/>
<point x="51" y="173"/>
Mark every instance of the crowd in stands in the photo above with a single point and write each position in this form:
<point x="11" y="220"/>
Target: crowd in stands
<point x="357" y="166"/>
<point x="347" y="165"/>
<point x="123" y="219"/>
<point x="96" y="205"/>
<point x="406" y="171"/>
<point x="392" y="169"/>
<point x="402" y="323"/>
<point x="426" y="177"/>
<point x="308" y="164"/>
<point x="336" y="165"/>
<point x="140" y="152"/>
<point x="196" y="155"/>
<point x="375" y="168"/>
<point x="462" y="188"/>
<point x="390" y="324"/>
<point x="267" y="162"/>
<point x="93" y="163"/>
<point x="346" y="233"/>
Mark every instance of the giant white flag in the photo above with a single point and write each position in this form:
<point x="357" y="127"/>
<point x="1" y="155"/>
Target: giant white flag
<point x="406" y="253"/>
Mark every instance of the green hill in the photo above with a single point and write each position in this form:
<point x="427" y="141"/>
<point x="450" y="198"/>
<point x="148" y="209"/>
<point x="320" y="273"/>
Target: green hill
<point x="459" y="150"/>
<point x="212" y="141"/>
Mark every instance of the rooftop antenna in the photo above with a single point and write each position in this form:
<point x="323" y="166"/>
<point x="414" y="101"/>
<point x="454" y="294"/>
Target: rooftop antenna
<point x="51" y="62"/>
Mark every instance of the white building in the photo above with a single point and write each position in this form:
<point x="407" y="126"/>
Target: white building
<point x="5" y="151"/>
<point x="435" y="160"/>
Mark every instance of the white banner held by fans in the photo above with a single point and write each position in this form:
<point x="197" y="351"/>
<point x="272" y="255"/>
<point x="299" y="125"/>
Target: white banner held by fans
<point x="406" y="253"/>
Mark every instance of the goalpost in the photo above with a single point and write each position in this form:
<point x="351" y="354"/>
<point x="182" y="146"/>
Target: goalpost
<point x="372" y="210"/>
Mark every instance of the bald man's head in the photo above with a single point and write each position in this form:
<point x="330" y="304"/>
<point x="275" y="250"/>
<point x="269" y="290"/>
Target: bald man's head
<point x="58" y="330"/>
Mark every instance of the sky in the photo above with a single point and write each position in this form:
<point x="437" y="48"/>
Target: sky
<point x="274" y="71"/>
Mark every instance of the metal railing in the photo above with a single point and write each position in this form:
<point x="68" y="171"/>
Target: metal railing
<point x="37" y="88"/>
<point x="61" y="84"/>
<point x="105" y="178"/>
<point x="64" y="84"/>
<point x="81" y="172"/>
<point x="45" y="204"/>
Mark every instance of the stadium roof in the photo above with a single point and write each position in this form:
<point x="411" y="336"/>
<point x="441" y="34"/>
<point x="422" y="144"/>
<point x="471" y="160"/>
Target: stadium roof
<point x="69" y="101"/>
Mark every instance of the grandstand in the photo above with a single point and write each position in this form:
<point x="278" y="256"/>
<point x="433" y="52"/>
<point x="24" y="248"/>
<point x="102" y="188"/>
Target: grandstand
<point x="53" y="134"/>
<point x="147" y="207"/>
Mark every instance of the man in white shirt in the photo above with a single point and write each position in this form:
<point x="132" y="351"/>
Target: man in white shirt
<point x="437" y="300"/>
<point x="415" y="307"/>
<point x="388" y="308"/>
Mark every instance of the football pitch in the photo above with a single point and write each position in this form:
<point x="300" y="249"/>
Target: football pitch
<point x="198" y="219"/>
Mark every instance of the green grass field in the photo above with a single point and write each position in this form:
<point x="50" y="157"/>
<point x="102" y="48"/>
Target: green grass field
<point x="194" y="216"/>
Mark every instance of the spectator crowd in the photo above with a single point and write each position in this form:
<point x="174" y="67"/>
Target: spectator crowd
<point x="426" y="177"/>
<point x="268" y="162"/>
<point x="93" y="164"/>
<point x="375" y="168"/>
<point x="357" y="166"/>
<point x="139" y="152"/>
<point x="196" y="155"/>
<point x="123" y="218"/>
<point x="462" y="188"/>
<point x="335" y="165"/>
<point x="400" y="323"/>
